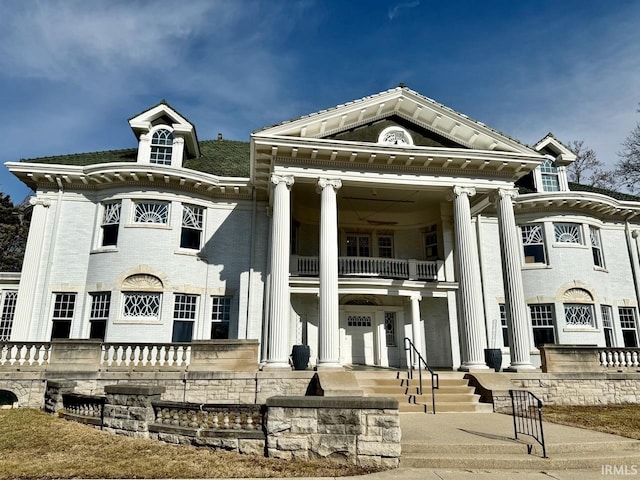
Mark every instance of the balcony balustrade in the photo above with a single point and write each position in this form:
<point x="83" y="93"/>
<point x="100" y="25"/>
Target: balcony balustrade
<point x="372" y="267"/>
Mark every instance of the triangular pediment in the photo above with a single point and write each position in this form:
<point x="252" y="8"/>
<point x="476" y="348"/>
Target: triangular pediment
<point x="430" y="123"/>
<point x="164" y="114"/>
<point x="553" y="147"/>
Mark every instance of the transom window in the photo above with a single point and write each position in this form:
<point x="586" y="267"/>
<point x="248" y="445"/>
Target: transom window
<point x="596" y="247"/>
<point x="161" y="147"/>
<point x="359" y="321"/>
<point x="191" y="234"/>
<point x="533" y="243"/>
<point x="111" y="223"/>
<point x="9" y="300"/>
<point x="220" y="317"/>
<point x="550" y="180"/>
<point x="151" y="212"/>
<point x="568" y="233"/>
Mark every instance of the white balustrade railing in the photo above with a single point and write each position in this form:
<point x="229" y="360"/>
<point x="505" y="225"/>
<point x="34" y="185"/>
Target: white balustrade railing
<point x="619" y="358"/>
<point x="23" y="354"/>
<point x="128" y="355"/>
<point x="371" y="267"/>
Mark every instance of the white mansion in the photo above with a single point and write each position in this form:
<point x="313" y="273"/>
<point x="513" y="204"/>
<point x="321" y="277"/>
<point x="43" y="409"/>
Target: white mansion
<point x="348" y="230"/>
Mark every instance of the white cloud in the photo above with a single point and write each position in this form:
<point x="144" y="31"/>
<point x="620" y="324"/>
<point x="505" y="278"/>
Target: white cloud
<point x="395" y="10"/>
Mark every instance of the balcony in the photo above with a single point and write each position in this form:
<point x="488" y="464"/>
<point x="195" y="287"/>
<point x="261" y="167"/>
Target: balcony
<point x="372" y="267"/>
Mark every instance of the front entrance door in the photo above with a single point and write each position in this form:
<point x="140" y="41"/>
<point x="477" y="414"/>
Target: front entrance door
<point x="359" y="338"/>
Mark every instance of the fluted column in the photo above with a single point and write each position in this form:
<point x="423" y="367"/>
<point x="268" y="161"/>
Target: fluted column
<point x="516" y="309"/>
<point x="279" y="348"/>
<point x="328" y="328"/>
<point x="415" y="325"/>
<point x="474" y="339"/>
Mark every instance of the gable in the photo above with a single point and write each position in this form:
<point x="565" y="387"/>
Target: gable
<point x="370" y="133"/>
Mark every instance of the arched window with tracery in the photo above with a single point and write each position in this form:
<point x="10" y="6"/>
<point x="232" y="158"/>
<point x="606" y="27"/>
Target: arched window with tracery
<point x="161" y="147"/>
<point x="578" y="308"/>
<point x="142" y="297"/>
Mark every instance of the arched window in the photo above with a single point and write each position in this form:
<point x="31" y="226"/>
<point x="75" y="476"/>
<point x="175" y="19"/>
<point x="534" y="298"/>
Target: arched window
<point x="578" y="308"/>
<point x="550" y="180"/>
<point x="161" y="147"/>
<point x="395" y="136"/>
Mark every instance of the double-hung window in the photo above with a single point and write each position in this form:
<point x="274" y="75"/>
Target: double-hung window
<point x="184" y="316"/>
<point x="110" y="223"/>
<point x="431" y="243"/>
<point x="607" y="325"/>
<point x="358" y="245"/>
<point x="9" y="299"/>
<point x="385" y="246"/>
<point x="628" y="326"/>
<point x="63" y="308"/>
<point x="533" y="243"/>
<point x="596" y="247"/>
<point x="192" y="221"/>
<point x="542" y="322"/>
<point x="161" y="147"/>
<point x="220" y="317"/>
<point x="550" y="179"/>
<point x="100" y="306"/>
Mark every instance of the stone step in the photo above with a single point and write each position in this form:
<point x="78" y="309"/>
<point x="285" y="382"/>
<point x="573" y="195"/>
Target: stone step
<point x="383" y="389"/>
<point x="515" y="461"/>
<point x="426" y="383"/>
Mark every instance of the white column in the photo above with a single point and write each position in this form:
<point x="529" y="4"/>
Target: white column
<point x="31" y="268"/>
<point x="279" y="307"/>
<point x="415" y="325"/>
<point x="516" y="309"/>
<point x="328" y="329"/>
<point x="474" y="339"/>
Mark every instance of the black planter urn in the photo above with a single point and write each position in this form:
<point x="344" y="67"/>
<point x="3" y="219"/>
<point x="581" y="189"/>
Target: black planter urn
<point x="300" y="356"/>
<point x="493" y="358"/>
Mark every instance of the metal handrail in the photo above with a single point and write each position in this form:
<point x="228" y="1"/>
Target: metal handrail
<point x="526" y="410"/>
<point x="416" y="357"/>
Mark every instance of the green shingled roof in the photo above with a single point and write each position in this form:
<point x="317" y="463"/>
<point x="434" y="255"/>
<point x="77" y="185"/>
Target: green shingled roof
<point x="577" y="187"/>
<point x="225" y="158"/>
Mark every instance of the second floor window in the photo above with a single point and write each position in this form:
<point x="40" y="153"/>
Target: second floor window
<point x="596" y="247"/>
<point x="151" y="212"/>
<point x="161" y="147"/>
<point x="533" y="244"/>
<point x="191" y="234"/>
<point x="568" y="233"/>
<point x="431" y="243"/>
<point x="110" y="223"/>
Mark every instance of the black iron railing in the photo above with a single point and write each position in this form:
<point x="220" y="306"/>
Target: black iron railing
<point x="417" y="362"/>
<point x="527" y="417"/>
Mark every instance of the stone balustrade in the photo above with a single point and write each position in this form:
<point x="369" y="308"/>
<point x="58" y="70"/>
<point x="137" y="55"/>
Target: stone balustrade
<point x="245" y="417"/>
<point x="619" y="359"/>
<point x="88" y="407"/>
<point x="24" y="354"/>
<point x="589" y="358"/>
<point x="137" y="355"/>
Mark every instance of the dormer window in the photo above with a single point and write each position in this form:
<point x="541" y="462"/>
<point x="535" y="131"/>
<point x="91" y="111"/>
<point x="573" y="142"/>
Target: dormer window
<point x="161" y="147"/>
<point x="550" y="178"/>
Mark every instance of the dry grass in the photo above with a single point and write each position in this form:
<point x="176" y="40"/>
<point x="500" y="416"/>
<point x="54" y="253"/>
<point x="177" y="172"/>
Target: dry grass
<point x="621" y="420"/>
<point x="35" y="445"/>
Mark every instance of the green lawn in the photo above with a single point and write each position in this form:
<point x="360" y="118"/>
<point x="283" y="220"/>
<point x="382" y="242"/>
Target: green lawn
<point x="35" y="445"/>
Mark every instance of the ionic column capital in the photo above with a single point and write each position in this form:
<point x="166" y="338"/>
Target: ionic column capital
<point x="415" y="297"/>
<point x="45" y="202"/>
<point x="334" y="183"/>
<point x="507" y="192"/>
<point x="288" y="180"/>
<point x="458" y="191"/>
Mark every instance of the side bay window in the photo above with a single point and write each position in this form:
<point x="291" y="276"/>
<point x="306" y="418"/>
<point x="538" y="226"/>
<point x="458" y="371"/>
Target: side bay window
<point x="533" y="243"/>
<point x="110" y="223"/>
<point x="63" y="310"/>
<point x="184" y="316"/>
<point x="192" y="223"/>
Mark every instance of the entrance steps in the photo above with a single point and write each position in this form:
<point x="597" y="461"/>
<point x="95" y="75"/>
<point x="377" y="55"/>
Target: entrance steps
<point x="454" y="394"/>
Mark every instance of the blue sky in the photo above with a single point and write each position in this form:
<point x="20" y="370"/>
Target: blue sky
<point x="72" y="72"/>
